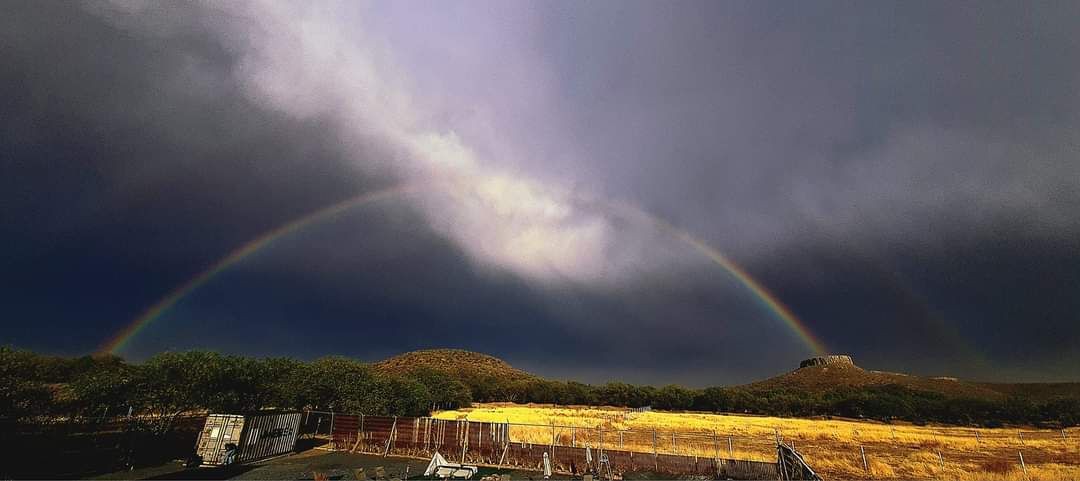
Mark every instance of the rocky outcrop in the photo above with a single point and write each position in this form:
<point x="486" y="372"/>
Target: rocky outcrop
<point x="827" y="361"/>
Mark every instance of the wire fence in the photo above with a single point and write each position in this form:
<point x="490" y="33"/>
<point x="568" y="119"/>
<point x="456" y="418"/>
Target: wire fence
<point x="569" y="449"/>
<point x="933" y="454"/>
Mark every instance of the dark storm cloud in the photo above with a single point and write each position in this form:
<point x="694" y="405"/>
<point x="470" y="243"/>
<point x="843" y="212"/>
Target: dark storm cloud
<point x="903" y="175"/>
<point x="751" y="120"/>
<point x="131" y="162"/>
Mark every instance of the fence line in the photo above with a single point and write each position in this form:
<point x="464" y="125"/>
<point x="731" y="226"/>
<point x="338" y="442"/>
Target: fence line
<point x="571" y="449"/>
<point x="702" y="453"/>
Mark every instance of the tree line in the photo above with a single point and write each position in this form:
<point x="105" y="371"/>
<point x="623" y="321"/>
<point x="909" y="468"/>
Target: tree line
<point x="171" y="384"/>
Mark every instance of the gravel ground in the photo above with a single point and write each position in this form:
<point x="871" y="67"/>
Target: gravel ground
<point x="303" y="466"/>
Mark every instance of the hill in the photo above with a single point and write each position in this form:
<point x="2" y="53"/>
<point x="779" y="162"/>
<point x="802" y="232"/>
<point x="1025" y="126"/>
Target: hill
<point x="454" y="362"/>
<point x="1036" y="390"/>
<point x="814" y="376"/>
<point x="819" y="375"/>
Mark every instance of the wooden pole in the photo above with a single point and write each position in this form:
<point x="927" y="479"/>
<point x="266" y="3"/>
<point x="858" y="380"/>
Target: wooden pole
<point x="715" y="446"/>
<point x="730" y="451"/>
<point x="1022" y="465"/>
<point x="356" y="444"/>
<point x="673" y="449"/>
<point x="977" y="438"/>
<point x="865" y="465"/>
<point x="390" y="438"/>
<point x="503" y="457"/>
<point x="1021" y="433"/>
<point x="620" y="440"/>
<point x="941" y="460"/>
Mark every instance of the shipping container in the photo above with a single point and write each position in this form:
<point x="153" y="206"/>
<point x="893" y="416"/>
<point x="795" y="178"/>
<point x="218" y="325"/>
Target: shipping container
<point x="255" y="437"/>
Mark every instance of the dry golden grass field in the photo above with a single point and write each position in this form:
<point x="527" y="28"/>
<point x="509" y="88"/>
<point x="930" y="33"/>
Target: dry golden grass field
<point x="831" y="447"/>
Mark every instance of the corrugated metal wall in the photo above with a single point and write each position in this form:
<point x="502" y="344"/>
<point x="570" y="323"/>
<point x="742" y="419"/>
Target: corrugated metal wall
<point x="256" y="437"/>
<point x="218" y="431"/>
<point x="269" y="435"/>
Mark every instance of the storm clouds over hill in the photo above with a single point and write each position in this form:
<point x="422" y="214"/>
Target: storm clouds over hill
<point x="902" y="176"/>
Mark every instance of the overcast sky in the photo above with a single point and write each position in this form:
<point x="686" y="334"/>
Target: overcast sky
<point x="903" y="176"/>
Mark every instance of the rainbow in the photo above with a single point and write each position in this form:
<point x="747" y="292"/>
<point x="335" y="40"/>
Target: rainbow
<point x="766" y="297"/>
<point x="761" y="293"/>
<point x="122" y="338"/>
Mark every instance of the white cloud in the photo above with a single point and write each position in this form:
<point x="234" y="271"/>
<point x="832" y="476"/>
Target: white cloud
<point x="316" y="61"/>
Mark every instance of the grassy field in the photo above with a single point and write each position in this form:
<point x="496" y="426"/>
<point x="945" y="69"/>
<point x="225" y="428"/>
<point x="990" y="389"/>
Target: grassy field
<point x="832" y="447"/>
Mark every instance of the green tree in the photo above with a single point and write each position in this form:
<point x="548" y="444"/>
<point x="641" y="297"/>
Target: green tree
<point x="444" y="389"/>
<point x="674" y="398"/>
<point x="715" y="399"/>
<point x="109" y="388"/>
<point x="21" y="394"/>
<point x="334" y="384"/>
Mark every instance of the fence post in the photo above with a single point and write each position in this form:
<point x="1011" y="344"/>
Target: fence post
<point x="331" y="428"/>
<point x="674" y="450"/>
<point x="977" y="438"/>
<point x="715" y="446"/>
<point x="553" y="442"/>
<point x="865" y="465"/>
<point x="1021" y="433"/>
<point x="465" y="443"/>
<point x="1022" y="465"/>
<point x="730" y="451"/>
<point x="620" y="440"/>
<point x="941" y="460"/>
<point x="655" y="454"/>
<point x="390" y="438"/>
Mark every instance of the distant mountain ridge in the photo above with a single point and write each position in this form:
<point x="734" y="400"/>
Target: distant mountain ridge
<point x="816" y="375"/>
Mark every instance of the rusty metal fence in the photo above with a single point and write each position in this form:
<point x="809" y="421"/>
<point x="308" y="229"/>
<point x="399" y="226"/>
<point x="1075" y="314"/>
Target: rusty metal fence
<point x="570" y="449"/>
<point x="956" y="453"/>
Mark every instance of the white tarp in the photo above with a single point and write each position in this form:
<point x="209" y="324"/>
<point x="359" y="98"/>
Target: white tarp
<point x="442" y="468"/>
<point x="436" y="461"/>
